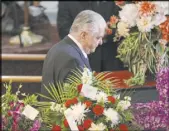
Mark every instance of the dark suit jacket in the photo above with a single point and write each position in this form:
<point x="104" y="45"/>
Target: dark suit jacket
<point x="60" y="60"/>
<point x="104" y="57"/>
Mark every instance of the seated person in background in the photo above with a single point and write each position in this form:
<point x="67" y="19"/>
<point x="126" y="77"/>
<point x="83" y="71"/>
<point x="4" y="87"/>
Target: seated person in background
<point x="104" y="58"/>
<point x="85" y="35"/>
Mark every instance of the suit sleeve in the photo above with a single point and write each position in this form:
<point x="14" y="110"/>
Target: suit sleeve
<point x="67" y="68"/>
<point x="64" y="19"/>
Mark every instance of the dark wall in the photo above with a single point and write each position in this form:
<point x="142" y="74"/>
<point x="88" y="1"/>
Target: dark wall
<point x="14" y="67"/>
<point x="25" y="68"/>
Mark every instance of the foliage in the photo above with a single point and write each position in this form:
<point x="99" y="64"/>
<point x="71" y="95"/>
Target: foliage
<point x="12" y="107"/>
<point x="143" y="38"/>
<point x="89" y="100"/>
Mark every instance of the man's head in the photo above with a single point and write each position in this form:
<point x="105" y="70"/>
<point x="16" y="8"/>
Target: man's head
<point x="89" y="29"/>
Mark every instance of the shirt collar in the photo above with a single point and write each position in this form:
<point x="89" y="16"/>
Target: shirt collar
<point x="78" y="44"/>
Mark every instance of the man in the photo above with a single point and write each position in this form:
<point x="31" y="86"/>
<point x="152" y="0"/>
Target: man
<point x="85" y="35"/>
<point x="104" y="58"/>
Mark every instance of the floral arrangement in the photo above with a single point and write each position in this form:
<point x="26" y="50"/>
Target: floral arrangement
<point x="13" y="111"/>
<point x="88" y="103"/>
<point x="143" y="32"/>
<point x="155" y="115"/>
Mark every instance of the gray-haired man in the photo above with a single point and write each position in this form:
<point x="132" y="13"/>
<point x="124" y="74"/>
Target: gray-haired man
<point x="85" y="35"/>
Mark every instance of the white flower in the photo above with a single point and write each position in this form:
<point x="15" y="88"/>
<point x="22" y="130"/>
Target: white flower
<point x="158" y="19"/>
<point x="127" y="98"/>
<point x="117" y="96"/>
<point x="98" y="127"/>
<point x="129" y="14"/>
<point x="17" y="93"/>
<point x="52" y="106"/>
<point x="112" y="115"/>
<point x="145" y="24"/>
<point x="23" y="94"/>
<point x="86" y="76"/>
<point x="123" y="29"/>
<point x="78" y="112"/>
<point x="57" y="107"/>
<point x="162" y="6"/>
<point x="123" y="105"/>
<point x="101" y="97"/>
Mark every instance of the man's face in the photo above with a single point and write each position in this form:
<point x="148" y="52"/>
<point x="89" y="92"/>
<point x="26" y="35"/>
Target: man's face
<point x="93" y="41"/>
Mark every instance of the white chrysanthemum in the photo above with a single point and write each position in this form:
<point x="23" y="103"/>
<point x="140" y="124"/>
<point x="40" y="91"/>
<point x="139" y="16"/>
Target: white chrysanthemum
<point x="161" y="6"/>
<point x="123" y="29"/>
<point x="86" y="76"/>
<point x="125" y="14"/>
<point x="101" y="97"/>
<point x="112" y="115"/>
<point x="123" y="105"/>
<point x="78" y="112"/>
<point x="98" y="127"/>
<point x="158" y="19"/>
<point x="145" y="24"/>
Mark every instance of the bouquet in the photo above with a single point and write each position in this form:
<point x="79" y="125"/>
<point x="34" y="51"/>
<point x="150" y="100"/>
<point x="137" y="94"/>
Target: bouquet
<point x="143" y="32"/>
<point x="86" y="101"/>
<point x="17" y="114"/>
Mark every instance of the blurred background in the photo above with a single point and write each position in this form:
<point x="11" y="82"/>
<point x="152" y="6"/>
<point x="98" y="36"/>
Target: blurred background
<point x="28" y="31"/>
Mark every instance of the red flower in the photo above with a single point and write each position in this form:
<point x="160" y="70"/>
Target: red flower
<point x="147" y="8"/>
<point x="56" y="128"/>
<point x="79" y="87"/>
<point x="87" y="123"/>
<point x="165" y="37"/>
<point x="66" y="123"/>
<point x="111" y="99"/>
<point x="74" y="100"/>
<point x="81" y="128"/>
<point x="113" y="19"/>
<point x="98" y="110"/>
<point x="88" y="103"/>
<point x="109" y="31"/>
<point x="123" y="127"/>
<point x="68" y="103"/>
<point x="9" y="113"/>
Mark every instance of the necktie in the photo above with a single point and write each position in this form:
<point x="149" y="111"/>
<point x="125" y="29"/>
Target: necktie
<point x="87" y="62"/>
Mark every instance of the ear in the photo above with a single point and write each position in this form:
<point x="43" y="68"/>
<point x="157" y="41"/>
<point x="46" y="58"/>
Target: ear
<point x="83" y="35"/>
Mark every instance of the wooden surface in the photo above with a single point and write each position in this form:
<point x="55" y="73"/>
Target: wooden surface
<point x="26" y="57"/>
<point x="124" y="75"/>
<point x="22" y="79"/>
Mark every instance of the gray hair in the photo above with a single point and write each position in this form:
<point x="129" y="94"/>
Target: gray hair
<point x="89" y="21"/>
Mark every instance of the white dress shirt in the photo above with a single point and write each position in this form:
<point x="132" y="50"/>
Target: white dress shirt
<point x="79" y="45"/>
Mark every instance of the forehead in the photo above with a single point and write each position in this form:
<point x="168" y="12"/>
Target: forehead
<point x="101" y="33"/>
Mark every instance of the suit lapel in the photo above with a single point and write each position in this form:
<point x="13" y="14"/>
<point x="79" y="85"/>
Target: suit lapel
<point x="71" y="42"/>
